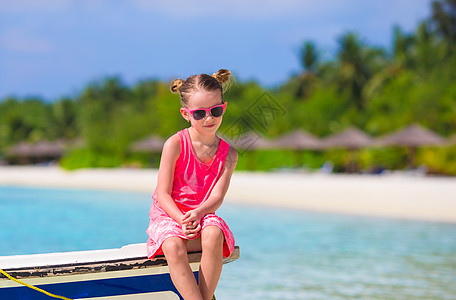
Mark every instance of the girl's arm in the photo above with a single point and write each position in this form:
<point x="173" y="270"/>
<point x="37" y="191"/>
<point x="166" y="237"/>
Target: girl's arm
<point x="215" y="200"/>
<point x="170" y="154"/>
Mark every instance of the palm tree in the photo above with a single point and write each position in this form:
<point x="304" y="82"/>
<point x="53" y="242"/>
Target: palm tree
<point x="444" y="18"/>
<point x="357" y="64"/>
<point x="402" y="48"/>
<point x="64" y="117"/>
<point x="402" y="58"/>
<point x="102" y="103"/>
<point x="309" y="58"/>
<point x="426" y="52"/>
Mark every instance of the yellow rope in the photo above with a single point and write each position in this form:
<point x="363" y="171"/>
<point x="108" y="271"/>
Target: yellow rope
<point x="40" y="290"/>
<point x="32" y="287"/>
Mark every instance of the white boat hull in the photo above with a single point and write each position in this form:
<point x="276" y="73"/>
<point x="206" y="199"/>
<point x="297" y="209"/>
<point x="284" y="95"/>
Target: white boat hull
<point x="102" y="274"/>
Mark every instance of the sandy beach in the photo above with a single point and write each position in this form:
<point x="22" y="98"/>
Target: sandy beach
<point x="394" y="195"/>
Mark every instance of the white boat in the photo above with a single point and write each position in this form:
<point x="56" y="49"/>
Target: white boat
<point x="124" y="273"/>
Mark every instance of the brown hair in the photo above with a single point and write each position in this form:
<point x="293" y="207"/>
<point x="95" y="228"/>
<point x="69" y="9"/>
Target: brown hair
<point x="203" y="82"/>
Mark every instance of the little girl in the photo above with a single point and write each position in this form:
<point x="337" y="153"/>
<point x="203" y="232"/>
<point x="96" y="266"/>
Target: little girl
<point x="195" y="171"/>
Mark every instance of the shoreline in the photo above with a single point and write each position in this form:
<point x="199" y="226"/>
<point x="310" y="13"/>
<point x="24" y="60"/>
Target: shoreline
<point x="391" y="196"/>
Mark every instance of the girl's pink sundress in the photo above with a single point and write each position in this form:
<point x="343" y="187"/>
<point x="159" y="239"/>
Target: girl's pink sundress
<point x="192" y="184"/>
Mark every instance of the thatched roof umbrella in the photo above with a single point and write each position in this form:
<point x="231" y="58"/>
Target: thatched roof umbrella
<point x="298" y="140"/>
<point x="351" y="139"/>
<point x="149" y="144"/>
<point x="411" y="137"/>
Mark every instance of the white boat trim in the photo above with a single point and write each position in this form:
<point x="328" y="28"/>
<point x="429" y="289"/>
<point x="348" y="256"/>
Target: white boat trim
<point x="74" y="257"/>
<point x="168" y="295"/>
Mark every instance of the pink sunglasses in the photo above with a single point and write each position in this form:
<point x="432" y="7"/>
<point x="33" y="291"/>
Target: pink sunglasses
<point x="215" y="111"/>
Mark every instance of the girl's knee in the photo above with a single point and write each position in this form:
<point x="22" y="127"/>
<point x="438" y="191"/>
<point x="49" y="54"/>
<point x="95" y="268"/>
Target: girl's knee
<point x="174" y="247"/>
<point x="212" y="237"/>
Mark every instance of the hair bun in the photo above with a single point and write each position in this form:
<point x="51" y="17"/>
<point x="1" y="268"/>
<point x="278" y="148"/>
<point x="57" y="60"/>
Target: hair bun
<point x="176" y="85"/>
<point x="222" y="75"/>
<point x="225" y="78"/>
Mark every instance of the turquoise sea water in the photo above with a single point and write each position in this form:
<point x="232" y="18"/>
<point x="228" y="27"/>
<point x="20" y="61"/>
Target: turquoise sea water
<point x="284" y="254"/>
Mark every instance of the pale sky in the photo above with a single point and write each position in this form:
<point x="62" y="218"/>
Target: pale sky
<point x="54" y="48"/>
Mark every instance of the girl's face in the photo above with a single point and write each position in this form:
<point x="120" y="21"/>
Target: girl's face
<point x="209" y="124"/>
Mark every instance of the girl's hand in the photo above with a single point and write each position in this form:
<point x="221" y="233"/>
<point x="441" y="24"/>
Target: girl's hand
<point x="191" y="230"/>
<point x="191" y="223"/>
<point x="192" y="216"/>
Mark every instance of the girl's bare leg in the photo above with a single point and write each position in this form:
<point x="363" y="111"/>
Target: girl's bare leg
<point x="175" y="251"/>
<point x="211" y="260"/>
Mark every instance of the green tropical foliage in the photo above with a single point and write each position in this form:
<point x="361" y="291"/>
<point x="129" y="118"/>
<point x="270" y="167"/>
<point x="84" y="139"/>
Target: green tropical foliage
<point x="377" y="90"/>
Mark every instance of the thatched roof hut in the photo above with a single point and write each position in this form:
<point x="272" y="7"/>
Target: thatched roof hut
<point x="150" y="144"/>
<point x="21" y="149"/>
<point x="39" y="149"/>
<point x="411" y="136"/>
<point x="352" y="138"/>
<point x="39" y="152"/>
